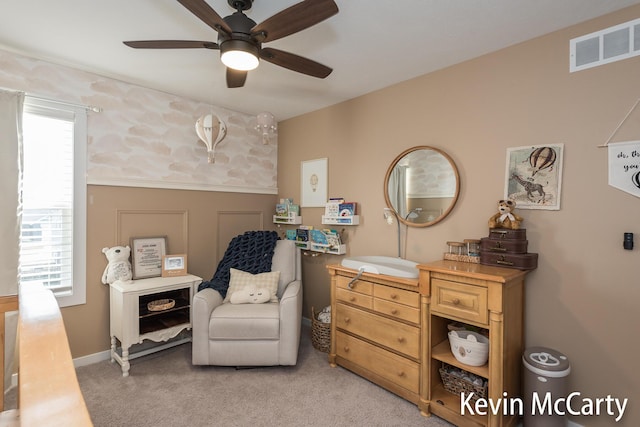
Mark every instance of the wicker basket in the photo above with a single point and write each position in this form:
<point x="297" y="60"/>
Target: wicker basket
<point x="457" y="385"/>
<point x="320" y="333"/>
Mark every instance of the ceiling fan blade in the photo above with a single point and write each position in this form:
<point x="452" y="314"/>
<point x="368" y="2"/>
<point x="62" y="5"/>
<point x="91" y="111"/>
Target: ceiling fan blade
<point x="235" y="78"/>
<point x="171" y="44"/>
<point x="202" y="10"/>
<point x="295" y="63"/>
<point x="295" y="18"/>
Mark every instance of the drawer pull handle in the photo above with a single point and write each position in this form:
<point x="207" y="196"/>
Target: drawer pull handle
<point x="394" y="311"/>
<point x="401" y="374"/>
<point x="455" y="301"/>
<point x="401" y="339"/>
<point x="352" y="298"/>
<point x="347" y="319"/>
<point x="346" y="349"/>
<point x="394" y="296"/>
<point x="356" y="277"/>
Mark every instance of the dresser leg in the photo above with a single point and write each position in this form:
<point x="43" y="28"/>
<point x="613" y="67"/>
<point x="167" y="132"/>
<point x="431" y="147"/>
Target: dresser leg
<point x="125" y="362"/>
<point x="113" y="348"/>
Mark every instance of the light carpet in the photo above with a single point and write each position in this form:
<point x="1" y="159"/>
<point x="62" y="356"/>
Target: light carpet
<point x="165" y="389"/>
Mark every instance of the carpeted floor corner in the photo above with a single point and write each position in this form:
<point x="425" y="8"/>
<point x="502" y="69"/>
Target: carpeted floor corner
<point x="165" y="389"/>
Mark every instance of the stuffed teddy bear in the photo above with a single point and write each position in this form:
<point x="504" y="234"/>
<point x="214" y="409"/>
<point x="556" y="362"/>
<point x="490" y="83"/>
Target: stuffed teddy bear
<point x="119" y="267"/>
<point x="505" y="218"/>
<point x="250" y="295"/>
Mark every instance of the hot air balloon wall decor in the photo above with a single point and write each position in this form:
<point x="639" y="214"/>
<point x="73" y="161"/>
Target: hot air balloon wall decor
<point x="211" y="130"/>
<point x="534" y="176"/>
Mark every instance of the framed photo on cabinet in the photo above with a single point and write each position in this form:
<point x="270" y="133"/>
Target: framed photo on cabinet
<point x="174" y="265"/>
<point x="146" y="256"/>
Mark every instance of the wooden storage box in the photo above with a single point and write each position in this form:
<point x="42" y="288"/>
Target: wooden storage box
<point x="507" y="234"/>
<point x="503" y="245"/>
<point x="527" y="261"/>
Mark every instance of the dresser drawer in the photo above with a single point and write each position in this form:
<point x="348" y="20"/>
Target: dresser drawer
<point x="400" y="296"/>
<point x="463" y="301"/>
<point x="390" y="366"/>
<point x="354" y="298"/>
<point x="397" y="311"/>
<point x="360" y="286"/>
<point x="397" y="336"/>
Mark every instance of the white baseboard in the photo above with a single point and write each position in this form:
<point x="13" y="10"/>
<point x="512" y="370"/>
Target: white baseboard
<point x="90" y="359"/>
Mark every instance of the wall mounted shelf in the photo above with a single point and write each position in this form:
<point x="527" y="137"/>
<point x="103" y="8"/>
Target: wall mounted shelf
<point x="341" y="220"/>
<point x="292" y="219"/>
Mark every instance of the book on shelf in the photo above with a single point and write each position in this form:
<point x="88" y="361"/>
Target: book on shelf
<point x="332" y="209"/>
<point x="348" y="208"/>
<point x="282" y="210"/>
<point x="291" y="234"/>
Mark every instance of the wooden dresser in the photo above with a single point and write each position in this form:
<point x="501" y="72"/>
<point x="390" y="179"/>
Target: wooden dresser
<point x="490" y="298"/>
<point x="375" y="329"/>
<point x="393" y="332"/>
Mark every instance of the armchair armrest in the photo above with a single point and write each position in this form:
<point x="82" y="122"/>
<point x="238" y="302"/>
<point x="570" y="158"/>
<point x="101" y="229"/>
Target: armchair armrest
<point x="203" y="304"/>
<point x="290" y="322"/>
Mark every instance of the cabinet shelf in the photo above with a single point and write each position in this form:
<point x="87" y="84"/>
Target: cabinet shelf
<point x="442" y="352"/>
<point x="181" y="303"/>
<point x="447" y="405"/>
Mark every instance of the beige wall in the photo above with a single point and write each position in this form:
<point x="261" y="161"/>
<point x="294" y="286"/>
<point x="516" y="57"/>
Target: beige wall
<point x="198" y="223"/>
<point x="583" y="298"/>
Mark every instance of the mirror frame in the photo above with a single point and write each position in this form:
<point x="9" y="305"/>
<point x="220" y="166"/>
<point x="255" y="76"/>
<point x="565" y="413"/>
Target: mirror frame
<point x="451" y="205"/>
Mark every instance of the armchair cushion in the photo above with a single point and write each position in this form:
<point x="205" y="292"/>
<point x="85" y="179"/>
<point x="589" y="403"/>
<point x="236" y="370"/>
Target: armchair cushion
<point x="242" y="281"/>
<point x="245" y="322"/>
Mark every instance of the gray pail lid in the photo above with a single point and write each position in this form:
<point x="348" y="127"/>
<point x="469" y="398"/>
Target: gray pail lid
<point x="546" y="362"/>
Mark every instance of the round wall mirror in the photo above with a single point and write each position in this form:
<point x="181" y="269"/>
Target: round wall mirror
<point x="421" y="186"/>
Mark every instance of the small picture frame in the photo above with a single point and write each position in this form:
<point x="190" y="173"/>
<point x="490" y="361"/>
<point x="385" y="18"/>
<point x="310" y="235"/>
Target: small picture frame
<point x="174" y="265"/>
<point x="146" y="256"/>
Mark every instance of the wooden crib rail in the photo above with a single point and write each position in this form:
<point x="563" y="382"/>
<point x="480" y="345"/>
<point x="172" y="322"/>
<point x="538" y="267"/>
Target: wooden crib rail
<point x="48" y="389"/>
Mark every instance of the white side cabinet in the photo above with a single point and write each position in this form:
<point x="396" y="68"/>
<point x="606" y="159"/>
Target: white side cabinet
<point x="131" y="322"/>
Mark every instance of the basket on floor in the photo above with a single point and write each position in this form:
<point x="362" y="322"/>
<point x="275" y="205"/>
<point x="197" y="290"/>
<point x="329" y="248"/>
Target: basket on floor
<point x="320" y="333"/>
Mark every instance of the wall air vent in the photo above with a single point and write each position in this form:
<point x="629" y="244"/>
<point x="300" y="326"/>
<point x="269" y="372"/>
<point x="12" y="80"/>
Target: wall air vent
<point x="605" y="46"/>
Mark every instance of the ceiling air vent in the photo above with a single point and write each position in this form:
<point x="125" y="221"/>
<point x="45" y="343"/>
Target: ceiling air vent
<point x="605" y="46"/>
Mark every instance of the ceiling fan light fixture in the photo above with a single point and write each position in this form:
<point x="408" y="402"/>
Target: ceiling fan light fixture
<point x="239" y="55"/>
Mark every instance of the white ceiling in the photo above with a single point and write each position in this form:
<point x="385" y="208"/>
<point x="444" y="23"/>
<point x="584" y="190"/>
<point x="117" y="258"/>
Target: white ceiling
<point x="370" y="44"/>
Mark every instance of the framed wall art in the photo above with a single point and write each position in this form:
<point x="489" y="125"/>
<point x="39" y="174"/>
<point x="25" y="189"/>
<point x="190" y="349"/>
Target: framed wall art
<point x="534" y="176"/>
<point x="313" y="184"/>
<point x="146" y="256"/>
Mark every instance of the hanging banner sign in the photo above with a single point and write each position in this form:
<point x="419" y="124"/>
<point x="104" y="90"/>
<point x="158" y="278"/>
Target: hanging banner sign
<point x="624" y="166"/>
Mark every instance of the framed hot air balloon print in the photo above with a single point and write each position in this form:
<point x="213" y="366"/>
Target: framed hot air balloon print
<point x="534" y="176"/>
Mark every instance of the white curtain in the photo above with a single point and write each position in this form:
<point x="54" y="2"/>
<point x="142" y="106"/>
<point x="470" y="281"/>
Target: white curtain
<point x="11" y="104"/>
<point x="398" y="189"/>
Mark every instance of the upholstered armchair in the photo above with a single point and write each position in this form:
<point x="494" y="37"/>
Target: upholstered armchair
<point x="248" y="334"/>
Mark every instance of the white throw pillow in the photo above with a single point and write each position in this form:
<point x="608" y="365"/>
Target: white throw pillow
<point x="251" y="295"/>
<point x="241" y="281"/>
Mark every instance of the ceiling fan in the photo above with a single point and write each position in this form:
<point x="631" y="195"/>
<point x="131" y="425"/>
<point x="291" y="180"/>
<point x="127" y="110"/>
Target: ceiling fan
<point x="240" y="38"/>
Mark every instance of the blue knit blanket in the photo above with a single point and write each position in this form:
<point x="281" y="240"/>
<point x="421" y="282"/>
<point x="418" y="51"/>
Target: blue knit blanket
<point x="251" y="252"/>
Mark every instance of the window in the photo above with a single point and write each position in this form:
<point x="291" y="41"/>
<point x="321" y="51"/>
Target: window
<point x="53" y="231"/>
